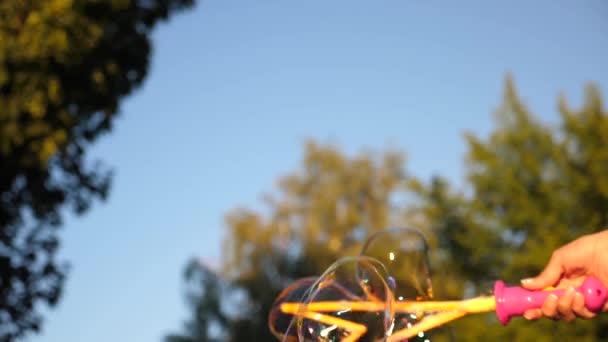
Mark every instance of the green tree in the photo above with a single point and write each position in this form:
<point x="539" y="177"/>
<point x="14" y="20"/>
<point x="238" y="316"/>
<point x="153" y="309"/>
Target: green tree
<point x="531" y="187"/>
<point x="65" y="67"/>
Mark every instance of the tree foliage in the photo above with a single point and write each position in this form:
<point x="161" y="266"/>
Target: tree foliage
<point x="65" y="66"/>
<point x="319" y="213"/>
<point x="531" y="187"/>
<point x="538" y="187"/>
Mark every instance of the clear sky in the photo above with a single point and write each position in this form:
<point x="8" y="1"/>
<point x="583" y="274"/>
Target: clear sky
<point x="237" y="86"/>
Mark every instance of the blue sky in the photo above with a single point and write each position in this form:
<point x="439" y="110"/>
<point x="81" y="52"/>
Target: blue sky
<point x="237" y="86"/>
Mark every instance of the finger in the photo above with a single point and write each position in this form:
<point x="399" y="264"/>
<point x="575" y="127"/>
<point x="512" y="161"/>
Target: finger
<point x="533" y="314"/>
<point x="548" y="277"/>
<point x="564" y="305"/>
<point x="570" y="281"/>
<point x="549" y="308"/>
<point x="579" y="308"/>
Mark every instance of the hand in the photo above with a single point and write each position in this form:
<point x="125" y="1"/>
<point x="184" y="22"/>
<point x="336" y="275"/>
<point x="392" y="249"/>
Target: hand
<point x="569" y="266"/>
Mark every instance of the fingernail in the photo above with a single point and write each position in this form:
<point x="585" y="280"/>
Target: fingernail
<point x="527" y="280"/>
<point x="528" y="316"/>
<point x="553" y="296"/>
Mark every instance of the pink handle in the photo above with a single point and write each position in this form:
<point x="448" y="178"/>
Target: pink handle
<point x="514" y="301"/>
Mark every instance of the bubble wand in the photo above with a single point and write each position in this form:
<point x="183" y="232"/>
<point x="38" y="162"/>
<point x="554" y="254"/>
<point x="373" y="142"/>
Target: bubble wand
<point x="377" y="295"/>
<point x="507" y="302"/>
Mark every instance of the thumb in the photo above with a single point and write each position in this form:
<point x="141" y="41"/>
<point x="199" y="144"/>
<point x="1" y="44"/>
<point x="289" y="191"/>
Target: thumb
<point x="548" y="277"/>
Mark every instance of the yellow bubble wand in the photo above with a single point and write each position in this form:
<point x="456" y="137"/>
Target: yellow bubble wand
<point x="507" y="302"/>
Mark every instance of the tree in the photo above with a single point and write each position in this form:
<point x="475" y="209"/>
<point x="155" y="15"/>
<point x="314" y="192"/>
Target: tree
<point x="534" y="187"/>
<point x="531" y="187"/>
<point x="321" y="212"/>
<point x="204" y="294"/>
<point x="65" y="67"/>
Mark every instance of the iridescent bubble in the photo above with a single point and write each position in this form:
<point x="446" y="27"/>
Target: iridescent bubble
<point x="376" y="296"/>
<point x="404" y="253"/>
<point x="283" y="314"/>
<point x="351" y="301"/>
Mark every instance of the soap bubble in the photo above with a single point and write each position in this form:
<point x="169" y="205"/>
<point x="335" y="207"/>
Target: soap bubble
<point x="404" y="253"/>
<point x="282" y="317"/>
<point x="351" y="301"/>
<point x="364" y="298"/>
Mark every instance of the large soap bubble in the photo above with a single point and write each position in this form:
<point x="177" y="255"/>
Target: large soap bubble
<point x="351" y="301"/>
<point x="404" y="254"/>
<point x="282" y="319"/>
<point x="384" y="294"/>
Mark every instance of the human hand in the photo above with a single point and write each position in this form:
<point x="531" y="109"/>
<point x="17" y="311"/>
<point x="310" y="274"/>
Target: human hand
<point x="569" y="266"/>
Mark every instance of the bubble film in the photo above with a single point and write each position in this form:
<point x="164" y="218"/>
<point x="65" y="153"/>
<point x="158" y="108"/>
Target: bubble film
<point x="283" y="314"/>
<point x="376" y="296"/>
<point x="351" y="301"/>
<point x="404" y="254"/>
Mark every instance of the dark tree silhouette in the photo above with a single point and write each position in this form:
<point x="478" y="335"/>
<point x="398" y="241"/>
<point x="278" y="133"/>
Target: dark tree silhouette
<point x="65" y="67"/>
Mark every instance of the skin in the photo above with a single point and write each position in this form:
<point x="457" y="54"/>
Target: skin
<point x="569" y="266"/>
